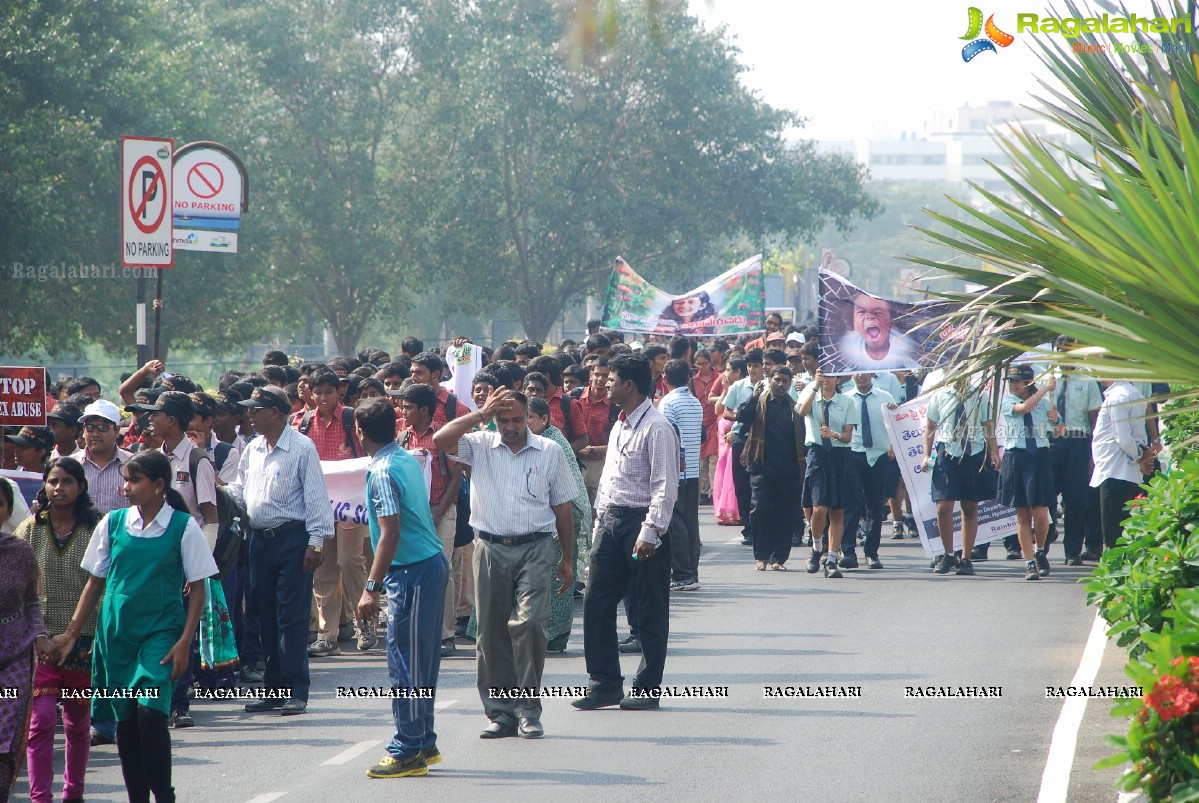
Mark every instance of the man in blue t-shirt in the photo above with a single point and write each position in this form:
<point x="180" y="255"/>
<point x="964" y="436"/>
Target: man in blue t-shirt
<point x="411" y="567"/>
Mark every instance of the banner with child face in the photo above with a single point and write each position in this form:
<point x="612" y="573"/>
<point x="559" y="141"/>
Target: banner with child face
<point x="863" y="333"/>
<point x="732" y="303"/>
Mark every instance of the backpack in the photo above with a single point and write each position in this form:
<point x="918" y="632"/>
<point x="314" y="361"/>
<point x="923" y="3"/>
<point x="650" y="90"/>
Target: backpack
<point x="463" y="535"/>
<point x="347" y="424"/>
<point x="222" y="450"/>
<point x="565" y="402"/>
<point x="232" y="519"/>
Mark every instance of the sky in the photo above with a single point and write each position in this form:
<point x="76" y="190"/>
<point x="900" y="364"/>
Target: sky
<point x="870" y="68"/>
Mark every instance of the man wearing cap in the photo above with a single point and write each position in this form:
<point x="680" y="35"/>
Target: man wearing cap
<point x="283" y="490"/>
<point x="224" y="456"/>
<point x="63" y="422"/>
<point x="33" y="445"/>
<point x="102" y="458"/>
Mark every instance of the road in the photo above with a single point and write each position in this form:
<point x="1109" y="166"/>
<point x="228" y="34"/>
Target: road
<point x="879" y="631"/>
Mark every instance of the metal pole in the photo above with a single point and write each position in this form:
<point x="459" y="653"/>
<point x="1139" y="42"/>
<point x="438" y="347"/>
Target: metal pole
<point x="143" y="353"/>
<point x="158" y="313"/>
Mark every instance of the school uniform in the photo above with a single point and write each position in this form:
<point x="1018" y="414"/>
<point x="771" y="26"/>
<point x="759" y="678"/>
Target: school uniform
<point x="1026" y="474"/>
<point x="963" y="470"/>
<point x="828" y="481"/>
<point x="1075" y="399"/>
<point x="870" y="468"/>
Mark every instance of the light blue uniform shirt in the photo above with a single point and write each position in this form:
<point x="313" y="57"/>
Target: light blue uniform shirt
<point x="842" y="411"/>
<point x="1083" y="395"/>
<point x="874" y="401"/>
<point x="942" y="410"/>
<point x="1014" y="423"/>
<point x="395" y="486"/>
<point x="737" y="395"/>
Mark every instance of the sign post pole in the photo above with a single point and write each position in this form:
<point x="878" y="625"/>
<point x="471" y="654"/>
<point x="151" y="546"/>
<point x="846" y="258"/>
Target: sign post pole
<point x="143" y="353"/>
<point x="146" y="219"/>
<point x="157" y="316"/>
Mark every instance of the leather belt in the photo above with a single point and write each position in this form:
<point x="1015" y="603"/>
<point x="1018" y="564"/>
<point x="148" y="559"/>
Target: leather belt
<point x="620" y="511"/>
<point x="512" y="540"/>
<point x="282" y="529"/>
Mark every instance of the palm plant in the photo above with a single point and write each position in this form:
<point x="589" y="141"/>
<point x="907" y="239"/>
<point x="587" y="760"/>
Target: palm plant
<point x="1103" y="242"/>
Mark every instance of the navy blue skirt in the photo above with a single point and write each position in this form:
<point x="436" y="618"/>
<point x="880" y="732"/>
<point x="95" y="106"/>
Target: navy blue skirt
<point x="971" y="478"/>
<point x="827" y="479"/>
<point x="1026" y="478"/>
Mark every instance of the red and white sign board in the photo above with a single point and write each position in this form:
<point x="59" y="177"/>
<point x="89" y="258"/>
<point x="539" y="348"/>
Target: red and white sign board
<point x="207" y="202"/>
<point x="22" y="396"/>
<point x="146" y="202"/>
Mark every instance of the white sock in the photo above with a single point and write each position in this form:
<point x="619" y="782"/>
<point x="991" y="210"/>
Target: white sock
<point x="817" y="544"/>
<point x="834" y="556"/>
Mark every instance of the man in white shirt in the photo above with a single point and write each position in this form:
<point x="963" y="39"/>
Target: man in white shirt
<point x="1120" y="450"/>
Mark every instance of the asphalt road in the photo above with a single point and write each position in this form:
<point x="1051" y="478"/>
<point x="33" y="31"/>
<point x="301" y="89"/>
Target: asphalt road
<point x="876" y="632"/>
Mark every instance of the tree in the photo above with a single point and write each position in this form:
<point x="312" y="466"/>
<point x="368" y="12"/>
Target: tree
<point x="1103" y="244"/>
<point x="651" y="150"/>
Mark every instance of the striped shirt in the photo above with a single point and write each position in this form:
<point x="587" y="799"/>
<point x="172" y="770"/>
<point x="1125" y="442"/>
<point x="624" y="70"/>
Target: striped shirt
<point x="687" y="414"/>
<point x="284" y="484"/>
<point x="104" y="485"/>
<point x="642" y="469"/>
<point x="513" y="494"/>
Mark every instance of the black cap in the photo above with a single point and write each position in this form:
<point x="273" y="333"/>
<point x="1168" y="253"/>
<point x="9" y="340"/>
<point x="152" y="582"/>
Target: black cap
<point x="174" y="403"/>
<point x="1023" y="372"/>
<point x="37" y="437"/>
<point x="66" y="412"/>
<point x="268" y="396"/>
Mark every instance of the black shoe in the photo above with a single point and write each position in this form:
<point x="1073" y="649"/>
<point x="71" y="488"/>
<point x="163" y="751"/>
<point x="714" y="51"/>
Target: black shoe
<point x="965" y="568"/>
<point x="264" y="704"/>
<point x="946" y="564"/>
<point x="796" y="539"/>
<point x="530" y="728"/>
<point x="596" y="699"/>
<point x="497" y="730"/>
<point x="979" y="553"/>
<point x="873" y="562"/>
<point x="936" y="562"/>
<point x="1089" y="554"/>
<point x="99" y="739"/>
<point x="746" y="541"/>
<point x="182" y="719"/>
<point x="251" y="675"/>
<point x="447" y="647"/>
<point x="1014" y="553"/>
<point x="630" y="645"/>
<point x="1032" y="572"/>
<point x="1073" y="560"/>
<point x="830" y="568"/>
<point x="293" y="707"/>
<point x="640" y="702"/>
<point x="849" y="560"/>
<point x="813" y="563"/>
<point x="460" y="626"/>
<point x="1042" y="562"/>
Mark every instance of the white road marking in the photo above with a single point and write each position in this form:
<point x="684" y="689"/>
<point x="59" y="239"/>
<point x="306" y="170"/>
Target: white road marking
<point x="443" y="704"/>
<point x="350" y="753"/>
<point x="266" y="798"/>
<point x="1055" y="782"/>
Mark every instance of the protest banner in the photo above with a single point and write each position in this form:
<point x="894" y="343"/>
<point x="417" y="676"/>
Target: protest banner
<point x="860" y="332"/>
<point x="346" y="482"/>
<point x="732" y="303"/>
<point x="905" y="426"/>
<point x="22" y="396"/>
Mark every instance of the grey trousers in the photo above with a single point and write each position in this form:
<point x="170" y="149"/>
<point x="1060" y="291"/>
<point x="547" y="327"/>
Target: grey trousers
<point x="512" y="596"/>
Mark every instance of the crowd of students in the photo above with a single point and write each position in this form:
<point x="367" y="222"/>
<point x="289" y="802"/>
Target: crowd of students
<point x="791" y="456"/>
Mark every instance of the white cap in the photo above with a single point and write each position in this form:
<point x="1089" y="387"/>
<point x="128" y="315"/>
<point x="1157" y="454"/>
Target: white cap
<point x="101" y="409"/>
<point x="636" y="345"/>
<point x="795" y="337"/>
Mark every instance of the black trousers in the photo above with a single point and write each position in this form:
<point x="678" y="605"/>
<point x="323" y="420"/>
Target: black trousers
<point x="868" y="493"/>
<point x="144" y="747"/>
<point x="1114" y="494"/>
<point x="774" y="501"/>
<point x="612" y="568"/>
<point x="684" y="533"/>
<point x="1071" y="478"/>
<point x="742" y="486"/>
<point x="282" y="600"/>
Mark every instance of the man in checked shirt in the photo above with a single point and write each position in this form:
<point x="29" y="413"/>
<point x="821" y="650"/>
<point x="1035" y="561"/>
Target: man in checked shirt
<point x="633" y="505"/>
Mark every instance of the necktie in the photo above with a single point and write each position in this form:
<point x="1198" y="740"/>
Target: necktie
<point x="960" y="432"/>
<point x="1061" y="401"/>
<point x="867" y="435"/>
<point x="1030" y="435"/>
<point x="827" y="443"/>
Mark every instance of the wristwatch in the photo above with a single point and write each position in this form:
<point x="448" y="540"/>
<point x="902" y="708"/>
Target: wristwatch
<point x="373" y="587"/>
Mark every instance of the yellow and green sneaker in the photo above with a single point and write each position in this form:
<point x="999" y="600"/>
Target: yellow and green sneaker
<point x="389" y="767"/>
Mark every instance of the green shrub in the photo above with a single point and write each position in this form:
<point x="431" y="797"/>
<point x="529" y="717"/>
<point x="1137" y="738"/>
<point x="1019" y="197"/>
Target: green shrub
<point x="1136" y="581"/>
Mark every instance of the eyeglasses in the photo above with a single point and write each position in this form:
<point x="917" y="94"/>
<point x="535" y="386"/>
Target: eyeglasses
<point x="97" y="427"/>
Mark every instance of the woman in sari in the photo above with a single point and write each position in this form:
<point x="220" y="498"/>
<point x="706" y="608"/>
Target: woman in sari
<point x="724" y="493"/>
<point x="708" y="383"/>
<point x="59" y="534"/>
<point x="21" y="628"/>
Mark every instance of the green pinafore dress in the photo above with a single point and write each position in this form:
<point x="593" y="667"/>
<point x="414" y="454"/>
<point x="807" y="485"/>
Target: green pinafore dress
<point x="141" y="618"/>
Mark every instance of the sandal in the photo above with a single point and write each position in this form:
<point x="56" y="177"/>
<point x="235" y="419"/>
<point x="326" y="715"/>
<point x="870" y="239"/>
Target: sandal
<point x="778" y="567"/>
<point x="760" y="565"/>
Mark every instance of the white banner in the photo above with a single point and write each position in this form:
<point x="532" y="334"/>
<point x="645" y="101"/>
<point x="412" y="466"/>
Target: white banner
<point x="346" y="482"/>
<point x="905" y="425"/>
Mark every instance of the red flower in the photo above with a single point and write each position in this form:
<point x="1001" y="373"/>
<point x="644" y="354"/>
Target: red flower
<point x="1171" y="698"/>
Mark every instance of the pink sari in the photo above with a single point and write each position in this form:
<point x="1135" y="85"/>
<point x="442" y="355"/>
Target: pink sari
<point x="724" y="494"/>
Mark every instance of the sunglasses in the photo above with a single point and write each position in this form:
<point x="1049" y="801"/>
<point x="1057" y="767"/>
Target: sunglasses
<point x="97" y="427"/>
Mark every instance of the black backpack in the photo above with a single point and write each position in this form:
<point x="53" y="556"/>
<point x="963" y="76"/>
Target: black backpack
<point x="463" y="535"/>
<point x="232" y="519"/>
<point x="347" y="424"/>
